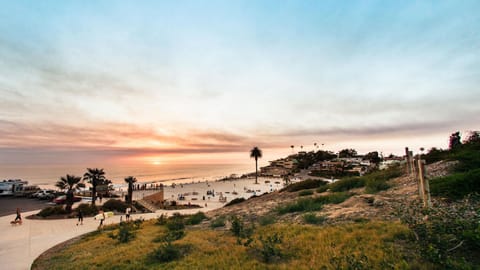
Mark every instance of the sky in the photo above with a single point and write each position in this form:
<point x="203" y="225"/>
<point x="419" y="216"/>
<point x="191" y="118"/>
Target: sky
<point x="204" y="81"/>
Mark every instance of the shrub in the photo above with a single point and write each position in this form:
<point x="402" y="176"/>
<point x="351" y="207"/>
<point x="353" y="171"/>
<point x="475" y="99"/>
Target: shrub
<point x="126" y="232"/>
<point x="162" y="220"/>
<point x="52" y="211"/>
<point x="347" y="184"/>
<point x="376" y="185"/>
<point x="322" y="189"/>
<point x="243" y="233"/>
<point x="266" y="220"/>
<point x="87" y="209"/>
<point x="269" y="247"/>
<point x="313" y="204"/>
<point x="333" y="198"/>
<point x="447" y="234"/>
<point x="301" y="205"/>
<point x="218" y="222"/>
<point x="235" y="201"/>
<point x="311" y="218"/>
<point x="306" y="184"/>
<point x="175" y="223"/>
<point x="195" y="218"/>
<point x="457" y="185"/>
<point x="114" y="205"/>
<point x="305" y="192"/>
<point x="166" y="252"/>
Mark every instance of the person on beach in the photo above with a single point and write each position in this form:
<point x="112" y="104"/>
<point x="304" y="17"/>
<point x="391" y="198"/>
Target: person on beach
<point x="18" y="218"/>
<point x="127" y="214"/>
<point x="102" y="218"/>
<point x="80" y="217"/>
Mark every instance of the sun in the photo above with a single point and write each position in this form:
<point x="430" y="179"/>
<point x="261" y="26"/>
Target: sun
<point x="156" y="162"/>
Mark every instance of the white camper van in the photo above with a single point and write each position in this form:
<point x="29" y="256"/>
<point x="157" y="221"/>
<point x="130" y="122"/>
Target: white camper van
<point x="12" y="186"/>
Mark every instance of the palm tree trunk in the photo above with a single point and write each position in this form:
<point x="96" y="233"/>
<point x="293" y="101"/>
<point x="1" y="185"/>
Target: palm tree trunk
<point x="94" y="192"/>
<point x="69" y="201"/>
<point x="256" y="170"/>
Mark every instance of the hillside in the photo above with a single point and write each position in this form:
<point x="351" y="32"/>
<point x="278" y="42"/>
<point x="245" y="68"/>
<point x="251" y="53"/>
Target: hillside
<point x="374" y="222"/>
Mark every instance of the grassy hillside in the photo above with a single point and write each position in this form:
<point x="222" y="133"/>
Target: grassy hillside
<point x="373" y="245"/>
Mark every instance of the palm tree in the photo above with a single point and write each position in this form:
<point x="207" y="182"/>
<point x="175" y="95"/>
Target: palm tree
<point x="69" y="183"/>
<point x="94" y="177"/>
<point x="256" y="153"/>
<point x="130" y="180"/>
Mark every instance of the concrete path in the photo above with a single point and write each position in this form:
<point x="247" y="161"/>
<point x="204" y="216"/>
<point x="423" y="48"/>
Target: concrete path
<point x="20" y="245"/>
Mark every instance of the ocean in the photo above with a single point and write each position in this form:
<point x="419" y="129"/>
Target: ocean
<point x="47" y="175"/>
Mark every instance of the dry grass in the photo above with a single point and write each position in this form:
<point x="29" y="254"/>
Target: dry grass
<point x="303" y="247"/>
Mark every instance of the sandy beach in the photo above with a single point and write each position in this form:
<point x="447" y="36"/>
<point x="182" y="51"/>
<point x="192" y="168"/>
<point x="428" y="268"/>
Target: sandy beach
<point x="21" y="245"/>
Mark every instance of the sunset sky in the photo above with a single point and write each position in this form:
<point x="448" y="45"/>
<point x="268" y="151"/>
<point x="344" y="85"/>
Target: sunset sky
<point x="205" y="81"/>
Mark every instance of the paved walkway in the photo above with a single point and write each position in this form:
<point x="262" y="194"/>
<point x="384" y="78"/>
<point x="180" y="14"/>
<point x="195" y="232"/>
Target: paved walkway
<point x="21" y="245"/>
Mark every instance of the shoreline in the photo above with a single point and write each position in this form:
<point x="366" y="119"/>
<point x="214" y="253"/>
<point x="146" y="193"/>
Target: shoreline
<point x="193" y="193"/>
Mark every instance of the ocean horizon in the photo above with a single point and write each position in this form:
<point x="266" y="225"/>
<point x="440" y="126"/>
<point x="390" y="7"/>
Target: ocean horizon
<point x="48" y="175"/>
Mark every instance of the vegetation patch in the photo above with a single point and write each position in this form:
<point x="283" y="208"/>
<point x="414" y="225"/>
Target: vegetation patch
<point x="457" y="185"/>
<point x="87" y="209"/>
<point x="307" y="192"/>
<point x="115" y="205"/>
<point x="235" y="201"/>
<point x="312" y="218"/>
<point x="306" y="184"/>
<point x="314" y="203"/>
<point x="52" y="211"/>
<point x="195" y="218"/>
<point x="218" y="222"/>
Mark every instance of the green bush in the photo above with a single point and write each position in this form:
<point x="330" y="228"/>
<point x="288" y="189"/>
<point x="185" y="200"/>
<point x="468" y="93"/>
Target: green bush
<point x="322" y="189"/>
<point x="376" y="185"/>
<point x="306" y="184"/>
<point x="301" y="205"/>
<point x="305" y="193"/>
<point x="235" y="201"/>
<point x="114" y="205"/>
<point x="347" y="184"/>
<point x="175" y="223"/>
<point x="266" y="220"/>
<point x="167" y="252"/>
<point x="312" y="218"/>
<point x="270" y="247"/>
<point x="457" y="185"/>
<point x="126" y="232"/>
<point x="333" y="198"/>
<point x="218" y="222"/>
<point x="313" y="204"/>
<point x="87" y="209"/>
<point x="195" y="218"/>
<point x="52" y="211"/>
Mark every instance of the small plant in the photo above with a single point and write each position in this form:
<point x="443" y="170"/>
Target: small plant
<point x="126" y="232"/>
<point x="167" y="252"/>
<point x="305" y="192"/>
<point x="175" y="223"/>
<point x="311" y="218"/>
<point x="218" y="222"/>
<point x="269" y="247"/>
<point x="162" y="220"/>
<point x="235" y="201"/>
<point x="114" y="205"/>
<point x="243" y="234"/>
<point x="87" y="209"/>
<point x="266" y="220"/>
<point x="195" y="218"/>
<point x="52" y="211"/>
<point x="306" y="184"/>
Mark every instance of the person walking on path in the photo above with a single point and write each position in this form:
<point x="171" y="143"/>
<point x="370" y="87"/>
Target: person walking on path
<point x="127" y="214"/>
<point x="102" y="218"/>
<point x="80" y="217"/>
<point x="18" y="218"/>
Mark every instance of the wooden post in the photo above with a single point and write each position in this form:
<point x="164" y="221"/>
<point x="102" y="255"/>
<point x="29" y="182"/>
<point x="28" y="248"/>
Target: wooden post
<point x="419" y="181"/>
<point x="425" y="185"/>
<point x="407" y="160"/>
